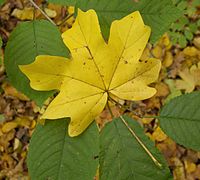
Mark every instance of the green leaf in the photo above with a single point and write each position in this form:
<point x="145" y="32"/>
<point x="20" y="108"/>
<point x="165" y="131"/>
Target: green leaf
<point x="63" y="2"/>
<point x="1" y="42"/>
<point x="1" y="58"/>
<point x="198" y="23"/>
<point x="183" y="21"/>
<point x="27" y="41"/>
<point x="122" y="157"/>
<point x="195" y="3"/>
<point x="1" y="2"/>
<point x="193" y="27"/>
<point x="191" y="11"/>
<point x="180" y="120"/>
<point x="54" y="155"/>
<point x="182" y="41"/>
<point x="188" y="35"/>
<point x="182" y="5"/>
<point x="159" y="15"/>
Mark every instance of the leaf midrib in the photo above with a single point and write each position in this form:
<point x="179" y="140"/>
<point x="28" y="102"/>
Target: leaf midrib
<point x="179" y="118"/>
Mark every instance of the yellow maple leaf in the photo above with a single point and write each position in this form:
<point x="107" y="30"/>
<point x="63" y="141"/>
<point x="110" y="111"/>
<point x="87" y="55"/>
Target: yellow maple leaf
<point x="190" y="78"/>
<point x="96" y="69"/>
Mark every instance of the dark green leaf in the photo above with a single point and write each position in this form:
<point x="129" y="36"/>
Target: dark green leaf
<point x="180" y="120"/>
<point x="159" y="15"/>
<point x="122" y="157"/>
<point x="63" y="2"/>
<point x="56" y="156"/>
<point x="27" y="41"/>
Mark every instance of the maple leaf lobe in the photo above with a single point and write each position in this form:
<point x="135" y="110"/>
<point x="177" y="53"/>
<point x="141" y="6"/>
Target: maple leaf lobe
<point x="96" y="69"/>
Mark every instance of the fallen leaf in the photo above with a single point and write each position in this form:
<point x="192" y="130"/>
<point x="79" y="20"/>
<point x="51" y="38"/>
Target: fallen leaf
<point x="190" y="166"/>
<point x="191" y="51"/>
<point x="179" y="169"/>
<point x="9" y="126"/>
<point x="190" y="78"/>
<point x="157" y="51"/>
<point x="159" y="135"/>
<point x="51" y="13"/>
<point x="168" y="59"/>
<point x="196" y="42"/>
<point x="11" y="91"/>
<point x="97" y="70"/>
<point x="25" y="14"/>
<point x="165" y="41"/>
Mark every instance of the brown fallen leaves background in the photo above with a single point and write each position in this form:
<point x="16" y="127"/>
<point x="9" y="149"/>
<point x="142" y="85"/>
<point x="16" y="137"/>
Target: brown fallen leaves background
<point x="18" y="115"/>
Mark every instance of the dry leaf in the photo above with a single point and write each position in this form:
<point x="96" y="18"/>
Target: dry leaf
<point x="25" y="14"/>
<point x="159" y="135"/>
<point x="11" y="91"/>
<point x="189" y="166"/>
<point x="190" y="78"/>
<point x="51" y="13"/>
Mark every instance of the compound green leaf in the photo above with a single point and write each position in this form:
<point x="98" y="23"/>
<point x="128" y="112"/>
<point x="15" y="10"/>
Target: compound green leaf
<point x="180" y="120"/>
<point x="27" y="41"/>
<point x="56" y="156"/>
<point x="159" y="15"/>
<point x="122" y="157"/>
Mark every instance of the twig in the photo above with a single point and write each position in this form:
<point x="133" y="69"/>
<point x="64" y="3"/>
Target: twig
<point x="141" y="143"/>
<point x="111" y="113"/>
<point x="124" y="107"/>
<point x="65" y="19"/>
<point x="37" y="7"/>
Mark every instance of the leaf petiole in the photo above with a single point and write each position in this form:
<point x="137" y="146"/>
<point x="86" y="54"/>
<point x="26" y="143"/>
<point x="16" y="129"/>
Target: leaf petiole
<point x="45" y="15"/>
<point x="141" y="143"/>
<point x="109" y="109"/>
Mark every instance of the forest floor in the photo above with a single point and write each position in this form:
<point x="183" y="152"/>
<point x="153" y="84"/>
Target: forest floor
<point x="18" y="115"/>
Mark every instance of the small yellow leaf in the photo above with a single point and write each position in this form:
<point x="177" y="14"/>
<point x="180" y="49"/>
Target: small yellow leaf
<point x="97" y="70"/>
<point x="159" y="135"/>
<point x="196" y="42"/>
<point x="190" y="166"/>
<point x="51" y="13"/>
<point x="25" y="14"/>
<point x="191" y="51"/>
<point x="24" y="122"/>
<point x="157" y="51"/>
<point x="146" y="54"/>
<point x="165" y="41"/>
<point x="168" y="59"/>
<point x="9" y="126"/>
